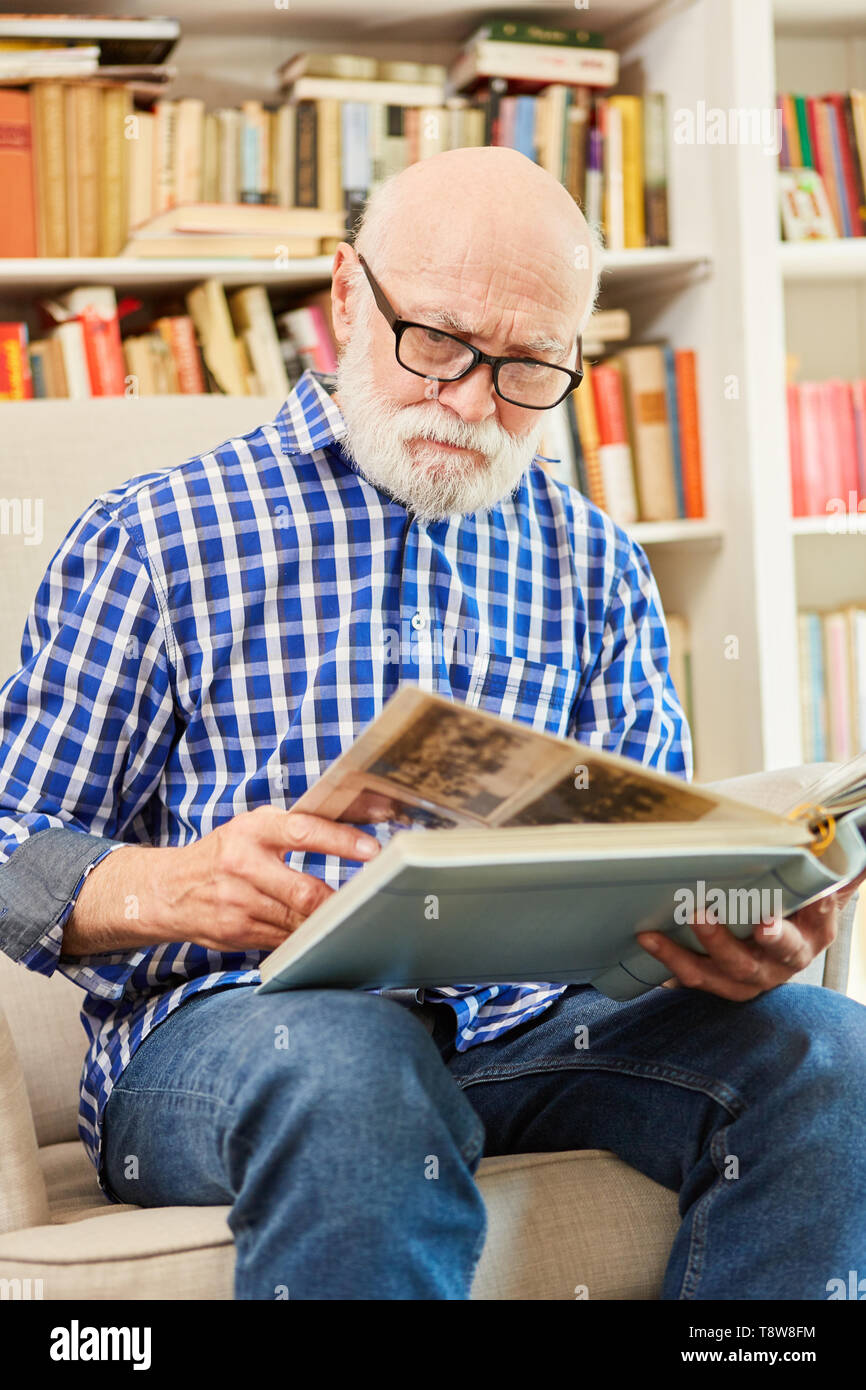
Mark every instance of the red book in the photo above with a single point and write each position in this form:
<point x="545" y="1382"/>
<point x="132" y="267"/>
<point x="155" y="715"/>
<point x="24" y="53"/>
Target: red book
<point x="609" y="405"/>
<point x="690" y="431"/>
<point x="831" y="447"/>
<point x="849" y="190"/>
<point x="795" y="453"/>
<point x="858" y="402"/>
<point x="18" y="222"/>
<point x="16" y="382"/>
<point x="846" y="441"/>
<point x="96" y="309"/>
<point x="811" y="432"/>
<point x="179" y="333"/>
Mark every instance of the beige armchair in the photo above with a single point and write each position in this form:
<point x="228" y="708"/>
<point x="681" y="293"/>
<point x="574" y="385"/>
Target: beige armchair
<point x="556" y="1221"/>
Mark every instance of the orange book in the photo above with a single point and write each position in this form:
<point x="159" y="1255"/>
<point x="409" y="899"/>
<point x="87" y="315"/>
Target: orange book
<point x="18" y="224"/>
<point x="690" y="431"/>
<point x="583" y="402"/>
<point x="615" y="453"/>
<point x="178" y="332"/>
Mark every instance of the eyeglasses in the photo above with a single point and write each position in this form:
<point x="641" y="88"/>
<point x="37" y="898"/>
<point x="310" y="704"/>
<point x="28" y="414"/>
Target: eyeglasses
<point x="439" y="356"/>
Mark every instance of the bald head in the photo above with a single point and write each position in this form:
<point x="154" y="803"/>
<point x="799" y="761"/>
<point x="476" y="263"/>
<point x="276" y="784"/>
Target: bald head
<point x="489" y="210"/>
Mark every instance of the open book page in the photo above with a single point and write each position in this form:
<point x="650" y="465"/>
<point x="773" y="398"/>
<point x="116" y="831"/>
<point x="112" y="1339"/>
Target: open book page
<point x="842" y="789"/>
<point x="428" y="761"/>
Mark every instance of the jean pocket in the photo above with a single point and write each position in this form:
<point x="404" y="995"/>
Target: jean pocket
<point x="530" y="692"/>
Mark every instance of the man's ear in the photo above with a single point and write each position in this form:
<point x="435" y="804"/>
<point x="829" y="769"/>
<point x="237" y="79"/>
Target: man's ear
<point x="345" y="262"/>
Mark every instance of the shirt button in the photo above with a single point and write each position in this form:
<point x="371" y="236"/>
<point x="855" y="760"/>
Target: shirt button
<point x="418" y="621"/>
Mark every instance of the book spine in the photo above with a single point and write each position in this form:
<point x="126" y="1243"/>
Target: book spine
<point x="795" y="451"/>
<point x="655" y="170"/>
<point x="643" y="383"/>
<point x="114" y="191"/>
<point x="690" y="430"/>
<point x="50" y="169"/>
<point x="590" y="439"/>
<point x="306" y="162"/>
<point x="854" y="168"/>
<point x="179" y="333"/>
<point x="514" y="31"/>
<point x="17" y="234"/>
<point x="803" y="132"/>
<point x="858" y="402"/>
<point x="839" y="202"/>
<point x="103" y="353"/>
<point x="16" y="380"/>
<point x="674" y="426"/>
<point x="845" y="165"/>
<point x="629" y="107"/>
<point x="615" y="454"/>
<point x="814" y="492"/>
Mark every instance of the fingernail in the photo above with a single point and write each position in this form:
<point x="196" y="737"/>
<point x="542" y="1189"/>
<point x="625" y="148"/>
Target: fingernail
<point x="366" y="848"/>
<point x="650" y="943"/>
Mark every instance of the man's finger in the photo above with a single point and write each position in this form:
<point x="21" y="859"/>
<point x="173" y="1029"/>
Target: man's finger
<point x="290" y="830"/>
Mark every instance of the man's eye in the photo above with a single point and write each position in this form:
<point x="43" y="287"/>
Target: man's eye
<point x="433" y="337"/>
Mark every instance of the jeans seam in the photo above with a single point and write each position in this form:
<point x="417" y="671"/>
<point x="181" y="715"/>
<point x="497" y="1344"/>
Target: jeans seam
<point x="700" y="1220"/>
<point x="723" y="1094"/>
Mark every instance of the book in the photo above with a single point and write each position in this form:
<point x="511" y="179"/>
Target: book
<point x="209" y="311"/>
<point x="119" y="39"/>
<point x="114" y="171"/>
<point x="178" y="332"/>
<point x="515" y="855"/>
<point x="82" y="114"/>
<point x="542" y="63"/>
<point x="49" y="143"/>
<point x="645" y="384"/>
<point x="17" y="234"/>
<point x="16" y="379"/>
<point x="518" y="31"/>
<point x="391" y="93"/>
<point x="686" y="367"/>
<point x="615" y="453"/>
<point x="253" y="320"/>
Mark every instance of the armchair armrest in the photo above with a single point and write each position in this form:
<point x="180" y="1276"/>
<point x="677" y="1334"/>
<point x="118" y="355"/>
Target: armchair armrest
<point x="23" y="1198"/>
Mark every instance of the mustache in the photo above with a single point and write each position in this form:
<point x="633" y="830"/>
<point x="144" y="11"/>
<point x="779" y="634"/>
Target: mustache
<point x="438" y="426"/>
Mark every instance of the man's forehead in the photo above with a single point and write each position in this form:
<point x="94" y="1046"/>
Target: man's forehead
<point x="480" y="308"/>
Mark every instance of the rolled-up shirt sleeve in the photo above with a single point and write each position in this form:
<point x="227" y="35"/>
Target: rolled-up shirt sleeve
<point x="629" y="704"/>
<point x="86" y="725"/>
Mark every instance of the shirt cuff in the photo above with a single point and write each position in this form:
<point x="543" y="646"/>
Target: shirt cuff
<point x="39" y="885"/>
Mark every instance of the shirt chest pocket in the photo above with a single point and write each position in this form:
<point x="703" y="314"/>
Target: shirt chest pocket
<point x="529" y="692"/>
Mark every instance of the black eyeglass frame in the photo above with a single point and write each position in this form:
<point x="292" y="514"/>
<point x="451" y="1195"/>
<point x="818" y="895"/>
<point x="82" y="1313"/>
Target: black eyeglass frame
<point x="399" y="327"/>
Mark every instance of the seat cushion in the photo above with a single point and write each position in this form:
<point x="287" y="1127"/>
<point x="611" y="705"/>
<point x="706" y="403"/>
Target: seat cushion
<point x="557" y="1222"/>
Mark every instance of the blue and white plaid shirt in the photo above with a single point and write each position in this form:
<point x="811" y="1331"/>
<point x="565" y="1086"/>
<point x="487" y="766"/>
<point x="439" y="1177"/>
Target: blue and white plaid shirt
<point x="209" y="638"/>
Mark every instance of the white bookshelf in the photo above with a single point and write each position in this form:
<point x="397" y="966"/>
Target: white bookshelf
<point x="724" y="287"/>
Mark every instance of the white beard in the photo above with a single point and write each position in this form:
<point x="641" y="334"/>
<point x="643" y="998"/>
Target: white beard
<point x="439" y="482"/>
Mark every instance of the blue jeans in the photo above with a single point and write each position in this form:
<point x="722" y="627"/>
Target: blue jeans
<point x="344" y="1133"/>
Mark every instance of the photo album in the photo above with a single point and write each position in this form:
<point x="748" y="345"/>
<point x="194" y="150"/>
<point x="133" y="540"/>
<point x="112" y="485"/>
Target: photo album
<point x="519" y="856"/>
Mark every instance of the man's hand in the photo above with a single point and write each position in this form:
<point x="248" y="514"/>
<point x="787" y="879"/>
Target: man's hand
<point x="741" y="970"/>
<point x="230" y="891"/>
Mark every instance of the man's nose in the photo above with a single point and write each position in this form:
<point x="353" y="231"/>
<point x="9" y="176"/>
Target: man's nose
<point x="473" y="396"/>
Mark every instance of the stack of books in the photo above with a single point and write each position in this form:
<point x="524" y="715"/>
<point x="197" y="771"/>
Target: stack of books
<point x="231" y="344"/>
<point x="65" y="145"/>
<point x="823" y="165"/>
<point x="833" y="683"/>
<point x="827" y="447"/>
<point x="95" y="151"/>
<point x="629" y="438"/>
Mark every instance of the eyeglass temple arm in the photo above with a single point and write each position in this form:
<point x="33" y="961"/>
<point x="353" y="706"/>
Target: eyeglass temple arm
<point x="378" y="292"/>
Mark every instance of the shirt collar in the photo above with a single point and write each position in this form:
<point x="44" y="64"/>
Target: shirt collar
<point x="310" y="419"/>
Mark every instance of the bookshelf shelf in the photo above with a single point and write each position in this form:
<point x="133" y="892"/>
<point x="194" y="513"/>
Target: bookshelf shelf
<point x="844" y="259"/>
<point x="680" y="533"/>
<point x="20" y="278"/>
<point x="850" y="525"/>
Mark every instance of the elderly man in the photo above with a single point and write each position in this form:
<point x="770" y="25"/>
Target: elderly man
<point x="208" y="639"/>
